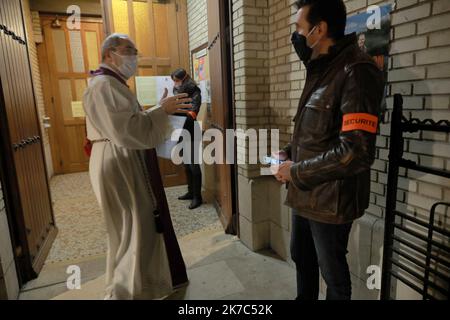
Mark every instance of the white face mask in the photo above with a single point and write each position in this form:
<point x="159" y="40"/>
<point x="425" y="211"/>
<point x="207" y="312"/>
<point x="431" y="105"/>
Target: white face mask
<point x="129" y="65"/>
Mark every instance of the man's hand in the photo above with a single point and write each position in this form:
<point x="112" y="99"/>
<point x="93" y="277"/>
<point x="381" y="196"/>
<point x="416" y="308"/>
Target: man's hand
<point x="283" y="172"/>
<point x="175" y="104"/>
<point x="280" y="155"/>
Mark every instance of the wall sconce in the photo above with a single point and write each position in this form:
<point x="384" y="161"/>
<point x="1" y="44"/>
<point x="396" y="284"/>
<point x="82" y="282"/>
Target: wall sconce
<point x="56" y="23"/>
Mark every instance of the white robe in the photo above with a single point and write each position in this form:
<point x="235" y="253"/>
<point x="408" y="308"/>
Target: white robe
<point x="137" y="263"/>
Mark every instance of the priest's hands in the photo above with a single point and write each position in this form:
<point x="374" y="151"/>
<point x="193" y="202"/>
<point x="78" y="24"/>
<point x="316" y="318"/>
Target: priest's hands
<point x="175" y="104"/>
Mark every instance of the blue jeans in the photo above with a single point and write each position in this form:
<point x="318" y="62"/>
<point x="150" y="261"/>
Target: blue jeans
<point x="317" y="245"/>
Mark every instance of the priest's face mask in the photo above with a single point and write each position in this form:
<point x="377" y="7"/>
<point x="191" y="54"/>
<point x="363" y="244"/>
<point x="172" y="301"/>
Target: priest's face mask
<point x="125" y="58"/>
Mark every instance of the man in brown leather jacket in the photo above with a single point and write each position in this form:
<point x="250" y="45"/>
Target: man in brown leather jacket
<point x="333" y="146"/>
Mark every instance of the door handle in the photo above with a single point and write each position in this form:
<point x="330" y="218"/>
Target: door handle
<point x="46" y="122"/>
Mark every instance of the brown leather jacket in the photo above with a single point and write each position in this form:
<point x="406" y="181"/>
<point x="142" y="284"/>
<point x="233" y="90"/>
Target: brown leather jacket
<point x="333" y="144"/>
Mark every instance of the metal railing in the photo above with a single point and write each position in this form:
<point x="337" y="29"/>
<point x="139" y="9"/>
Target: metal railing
<point x="416" y="250"/>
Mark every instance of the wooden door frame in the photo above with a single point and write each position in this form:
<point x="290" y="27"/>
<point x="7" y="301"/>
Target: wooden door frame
<point x="232" y="116"/>
<point x="51" y="99"/>
<point x="226" y="42"/>
<point x="49" y="106"/>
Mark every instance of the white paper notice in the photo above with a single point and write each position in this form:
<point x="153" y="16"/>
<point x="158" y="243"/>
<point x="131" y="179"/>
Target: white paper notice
<point x="206" y="91"/>
<point x="163" y="83"/>
<point x="165" y="149"/>
<point x="146" y="91"/>
<point x="77" y="109"/>
<point x="150" y="90"/>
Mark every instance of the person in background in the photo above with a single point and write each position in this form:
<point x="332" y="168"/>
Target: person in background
<point x="362" y="42"/>
<point x="183" y="83"/>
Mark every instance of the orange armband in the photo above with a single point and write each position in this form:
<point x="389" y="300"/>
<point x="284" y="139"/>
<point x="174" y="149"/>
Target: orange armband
<point x="360" y="121"/>
<point x="193" y="115"/>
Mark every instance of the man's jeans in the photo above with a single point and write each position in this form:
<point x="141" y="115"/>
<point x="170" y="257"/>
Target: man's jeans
<point x="315" y="245"/>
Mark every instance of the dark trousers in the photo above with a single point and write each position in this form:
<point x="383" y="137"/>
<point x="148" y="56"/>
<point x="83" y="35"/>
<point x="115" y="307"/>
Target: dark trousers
<point x="317" y="245"/>
<point x="194" y="177"/>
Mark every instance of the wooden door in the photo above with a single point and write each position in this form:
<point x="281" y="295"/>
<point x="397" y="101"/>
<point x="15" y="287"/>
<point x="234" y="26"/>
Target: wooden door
<point x="221" y="106"/>
<point x="160" y="31"/>
<point x="66" y="58"/>
<point x="22" y="156"/>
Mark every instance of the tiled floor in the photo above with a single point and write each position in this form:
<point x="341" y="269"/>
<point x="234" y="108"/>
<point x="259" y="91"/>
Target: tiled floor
<point x="80" y="223"/>
<point x="82" y="232"/>
<point x="219" y="266"/>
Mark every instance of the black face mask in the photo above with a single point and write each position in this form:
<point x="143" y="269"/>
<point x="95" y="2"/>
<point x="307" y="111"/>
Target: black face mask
<point x="303" y="51"/>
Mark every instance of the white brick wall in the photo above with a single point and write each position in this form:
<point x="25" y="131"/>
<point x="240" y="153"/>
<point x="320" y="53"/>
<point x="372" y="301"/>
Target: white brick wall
<point x="197" y="23"/>
<point x="419" y="70"/>
<point x="251" y="70"/>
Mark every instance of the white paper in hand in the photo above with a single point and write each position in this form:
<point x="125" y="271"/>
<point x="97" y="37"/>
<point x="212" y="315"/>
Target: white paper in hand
<point x="164" y="150"/>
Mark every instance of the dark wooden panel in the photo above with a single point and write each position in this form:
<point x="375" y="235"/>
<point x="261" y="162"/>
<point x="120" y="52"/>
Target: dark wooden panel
<point x="220" y="106"/>
<point x="32" y="220"/>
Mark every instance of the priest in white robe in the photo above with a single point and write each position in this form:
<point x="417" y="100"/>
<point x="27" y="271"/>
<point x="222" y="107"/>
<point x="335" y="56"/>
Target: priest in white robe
<point x="120" y="132"/>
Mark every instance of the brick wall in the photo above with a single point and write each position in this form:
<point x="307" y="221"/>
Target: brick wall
<point x="251" y="36"/>
<point x="34" y="35"/>
<point x="266" y="92"/>
<point x="287" y="74"/>
<point x="419" y="69"/>
<point x="197" y="23"/>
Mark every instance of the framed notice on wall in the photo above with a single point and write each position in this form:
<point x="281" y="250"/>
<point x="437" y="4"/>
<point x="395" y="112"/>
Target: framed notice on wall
<point x="200" y="71"/>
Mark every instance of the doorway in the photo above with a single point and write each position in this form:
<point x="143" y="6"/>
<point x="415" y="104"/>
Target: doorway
<point x="66" y="57"/>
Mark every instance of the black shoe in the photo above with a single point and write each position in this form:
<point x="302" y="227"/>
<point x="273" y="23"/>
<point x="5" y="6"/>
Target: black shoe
<point x="187" y="196"/>
<point x="196" y="203"/>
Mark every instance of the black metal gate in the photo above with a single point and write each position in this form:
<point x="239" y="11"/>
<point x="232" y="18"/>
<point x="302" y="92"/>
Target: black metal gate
<point x="416" y="249"/>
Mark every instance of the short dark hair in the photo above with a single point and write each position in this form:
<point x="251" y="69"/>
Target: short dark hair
<point x="333" y="12"/>
<point x="179" y="74"/>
